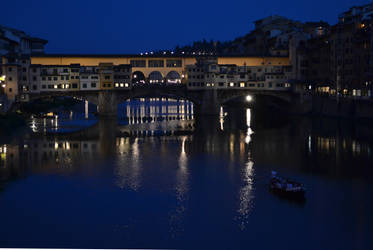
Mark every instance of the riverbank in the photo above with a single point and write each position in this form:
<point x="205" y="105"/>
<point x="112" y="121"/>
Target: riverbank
<point x="342" y="108"/>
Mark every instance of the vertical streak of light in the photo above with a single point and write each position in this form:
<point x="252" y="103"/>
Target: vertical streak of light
<point x="221" y="118"/>
<point x="248" y="123"/>
<point x="86" y="109"/>
<point x="246" y="194"/>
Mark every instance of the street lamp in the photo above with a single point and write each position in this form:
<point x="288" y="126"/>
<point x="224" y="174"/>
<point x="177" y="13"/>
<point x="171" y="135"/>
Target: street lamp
<point x="249" y="98"/>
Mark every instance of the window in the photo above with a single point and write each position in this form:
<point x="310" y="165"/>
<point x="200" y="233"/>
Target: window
<point x="75" y="86"/>
<point x="174" y="63"/>
<point x="23" y="69"/>
<point x="43" y="86"/>
<point x="10" y="90"/>
<point x="34" y="87"/>
<point x="34" y="78"/>
<point x="10" y="79"/>
<point x="155" y="63"/>
<point x="93" y="85"/>
<point x="49" y="78"/>
<point x="94" y="77"/>
<point x="10" y="69"/>
<point x="24" y="78"/>
<point x="62" y="78"/>
<point x="43" y="78"/>
<point x="34" y="70"/>
<point x="107" y="77"/>
<point x="84" y="85"/>
<point x="55" y="78"/>
<point x="138" y="63"/>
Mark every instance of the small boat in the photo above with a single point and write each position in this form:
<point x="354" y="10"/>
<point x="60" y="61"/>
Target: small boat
<point x="286" y="188"/>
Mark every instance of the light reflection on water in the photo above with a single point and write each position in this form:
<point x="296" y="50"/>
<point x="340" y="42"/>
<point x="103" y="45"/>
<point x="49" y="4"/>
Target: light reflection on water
<point x="177" y="188"/>
<point x="131" y="112"/>
<point x="150" y="110"/>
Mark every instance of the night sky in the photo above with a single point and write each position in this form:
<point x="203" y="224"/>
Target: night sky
<point x="120" y="26"/>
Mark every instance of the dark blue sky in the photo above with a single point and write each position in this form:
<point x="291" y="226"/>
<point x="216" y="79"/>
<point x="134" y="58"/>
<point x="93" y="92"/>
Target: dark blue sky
<point x="121" y="26"/>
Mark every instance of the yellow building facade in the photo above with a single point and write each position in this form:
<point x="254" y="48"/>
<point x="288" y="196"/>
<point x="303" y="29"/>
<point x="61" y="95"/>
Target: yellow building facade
<point x="149" y="64"/>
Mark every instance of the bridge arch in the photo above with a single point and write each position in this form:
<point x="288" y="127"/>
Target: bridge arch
<point x="155" y="77"/>
<point x="61" y="99"/>
<point x="173" y="77"/>
<point x="283" y="97"/>
<point x="138" y="77"/>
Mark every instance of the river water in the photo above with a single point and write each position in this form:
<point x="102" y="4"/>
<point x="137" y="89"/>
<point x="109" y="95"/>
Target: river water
<point x="89" y="186"/>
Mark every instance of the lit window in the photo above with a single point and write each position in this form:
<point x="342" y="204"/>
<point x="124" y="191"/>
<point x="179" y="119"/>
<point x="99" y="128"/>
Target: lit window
<point x="231" y="84"/>
<point x="116" y="85"/>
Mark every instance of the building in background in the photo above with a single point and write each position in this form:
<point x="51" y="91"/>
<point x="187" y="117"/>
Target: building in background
<point x="16" y="47"/>
<point x="74" y="82"/>
<point x="17" y="42"/>
<point x="89" y="78"/>
<point x="207" y="73"/>
<point x="122" y="76"/>
<point x="106" y="75"/>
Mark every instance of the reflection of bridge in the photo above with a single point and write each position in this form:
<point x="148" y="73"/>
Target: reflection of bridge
<point x="206" y="101"/>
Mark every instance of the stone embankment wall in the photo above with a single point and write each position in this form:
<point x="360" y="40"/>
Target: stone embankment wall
<point x="344" y="107"/>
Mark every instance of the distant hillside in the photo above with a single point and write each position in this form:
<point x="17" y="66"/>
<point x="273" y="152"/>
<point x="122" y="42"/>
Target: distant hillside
<point x="270" y="37"/>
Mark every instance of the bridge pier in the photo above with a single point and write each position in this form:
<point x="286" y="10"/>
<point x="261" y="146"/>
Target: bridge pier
<point x="107" y="103"/>
<point x="209" y="104"/>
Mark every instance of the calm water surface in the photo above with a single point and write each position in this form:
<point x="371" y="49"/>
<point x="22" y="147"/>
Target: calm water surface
<point x="89" y="188"/>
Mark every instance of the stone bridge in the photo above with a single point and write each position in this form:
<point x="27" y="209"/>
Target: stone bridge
<point x="206" y="101"/>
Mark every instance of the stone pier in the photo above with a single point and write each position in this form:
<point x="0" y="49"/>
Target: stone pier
<point x="107" y="103"/>
<point x="209" y="104"/>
